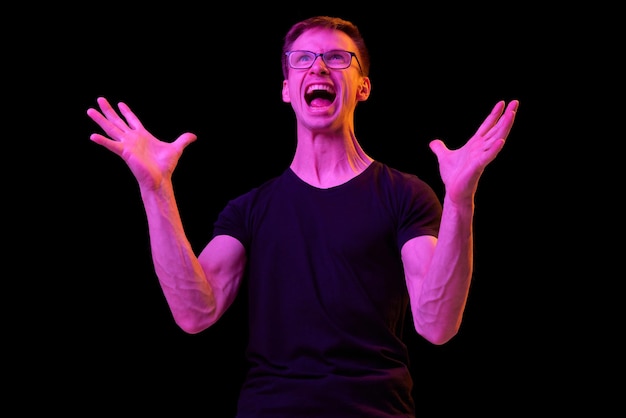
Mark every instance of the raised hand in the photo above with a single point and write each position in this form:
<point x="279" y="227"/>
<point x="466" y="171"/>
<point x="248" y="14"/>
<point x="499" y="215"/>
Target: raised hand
<point x="150" y="159"/>
<point x="461" y="169"/>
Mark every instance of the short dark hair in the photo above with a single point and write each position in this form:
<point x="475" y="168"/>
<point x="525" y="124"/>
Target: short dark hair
<point x="327" y="22"/>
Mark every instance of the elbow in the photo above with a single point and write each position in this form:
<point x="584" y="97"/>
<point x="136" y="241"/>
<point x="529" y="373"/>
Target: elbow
<point x="439" y="338"/>
<point x="190" y="328"/>
<point x="192" y="324"/>
<point x="437" y="334"/>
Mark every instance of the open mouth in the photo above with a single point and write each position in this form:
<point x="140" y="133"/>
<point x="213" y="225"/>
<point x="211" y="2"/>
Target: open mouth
<point x="319" y="95"/>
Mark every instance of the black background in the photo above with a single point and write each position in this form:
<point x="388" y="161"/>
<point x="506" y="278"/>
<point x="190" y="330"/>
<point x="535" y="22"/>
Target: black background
<point x="93" y="328"/>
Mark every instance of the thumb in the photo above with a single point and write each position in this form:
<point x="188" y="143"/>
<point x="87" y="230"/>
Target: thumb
<point x="437" y="146"/>
<point x="185" y="139"/>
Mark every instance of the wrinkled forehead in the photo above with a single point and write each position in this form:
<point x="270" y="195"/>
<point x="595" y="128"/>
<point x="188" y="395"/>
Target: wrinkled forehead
<point x="322" y="39"/>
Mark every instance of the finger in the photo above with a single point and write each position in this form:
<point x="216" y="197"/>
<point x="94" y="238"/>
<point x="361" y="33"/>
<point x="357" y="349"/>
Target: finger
<point x="492" y="119"/>
<point x="512" y="106"/>
<point x="437" y="146"/>
<point x="111" y="114"/>
<point x="129" y="115"/>
<point x="504" y="125"/>
<point x="112" y="130"/>
<point x="113" y="146"/>
<point x="185" y="139"/>
<point x="490" y="154"/>
<point x="501" y="126"/>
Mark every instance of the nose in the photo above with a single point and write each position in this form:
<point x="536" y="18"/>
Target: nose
<point x="319" y="65"/>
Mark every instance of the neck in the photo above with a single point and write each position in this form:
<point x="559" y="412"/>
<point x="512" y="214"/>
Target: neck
<point x="325" y="161"/>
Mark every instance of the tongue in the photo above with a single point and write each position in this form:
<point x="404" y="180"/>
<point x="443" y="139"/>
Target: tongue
<point x="319" y="102"/>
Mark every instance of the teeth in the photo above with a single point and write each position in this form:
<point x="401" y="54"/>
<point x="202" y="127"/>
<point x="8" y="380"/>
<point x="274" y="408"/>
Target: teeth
<point x="324" y="87"/>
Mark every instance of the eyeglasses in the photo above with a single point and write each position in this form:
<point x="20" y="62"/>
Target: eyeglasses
<point x="336" y="59"/>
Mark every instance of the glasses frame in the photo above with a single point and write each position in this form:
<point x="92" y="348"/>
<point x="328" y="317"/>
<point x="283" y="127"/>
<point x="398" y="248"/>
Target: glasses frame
<point x="323" y="54"/>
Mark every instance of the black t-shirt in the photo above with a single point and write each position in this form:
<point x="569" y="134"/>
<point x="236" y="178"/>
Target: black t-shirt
<point x="327" y="293"/>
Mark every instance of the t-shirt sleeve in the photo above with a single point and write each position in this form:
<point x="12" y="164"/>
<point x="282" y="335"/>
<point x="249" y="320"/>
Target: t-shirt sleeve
<point x="419" y="210"/>
<point x="231" y="220"/>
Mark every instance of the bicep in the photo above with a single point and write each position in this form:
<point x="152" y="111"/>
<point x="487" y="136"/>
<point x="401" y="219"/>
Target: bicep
<point x="223" y="261"/>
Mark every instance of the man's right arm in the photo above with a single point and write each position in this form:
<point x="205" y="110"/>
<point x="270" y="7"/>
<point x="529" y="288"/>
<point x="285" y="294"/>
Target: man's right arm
<point x="197" y="289"/>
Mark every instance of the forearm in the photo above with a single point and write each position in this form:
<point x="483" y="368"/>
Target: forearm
<point x="182" y="279"/>
<point x="444" y="291"/>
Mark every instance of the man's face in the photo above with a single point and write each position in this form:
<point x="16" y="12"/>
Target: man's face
<point x="322" y="97"/>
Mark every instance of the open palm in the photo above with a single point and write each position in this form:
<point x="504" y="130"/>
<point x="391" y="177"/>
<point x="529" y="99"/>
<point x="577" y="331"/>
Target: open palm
<point x="461" y="169"/>
<point x="150" y="159"/>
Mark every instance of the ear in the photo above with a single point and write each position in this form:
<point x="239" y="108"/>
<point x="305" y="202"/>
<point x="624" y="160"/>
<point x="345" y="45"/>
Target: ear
<point x="286" y="98"/>
<point x="364" y="89"/>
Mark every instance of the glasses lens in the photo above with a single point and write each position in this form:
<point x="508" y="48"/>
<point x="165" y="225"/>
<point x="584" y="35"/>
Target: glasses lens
<point x="301" y="59"/>
<point x="337" y="59"/>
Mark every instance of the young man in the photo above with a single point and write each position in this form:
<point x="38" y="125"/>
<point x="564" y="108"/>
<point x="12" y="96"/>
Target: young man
<point x="334" y="250"/>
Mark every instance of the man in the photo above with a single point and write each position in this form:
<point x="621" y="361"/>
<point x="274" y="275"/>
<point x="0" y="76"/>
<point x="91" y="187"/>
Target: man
<point x="333" y="251"/>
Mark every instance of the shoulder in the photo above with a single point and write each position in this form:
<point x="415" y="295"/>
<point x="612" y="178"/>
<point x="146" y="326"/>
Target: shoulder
<point x="396" y="178"/>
